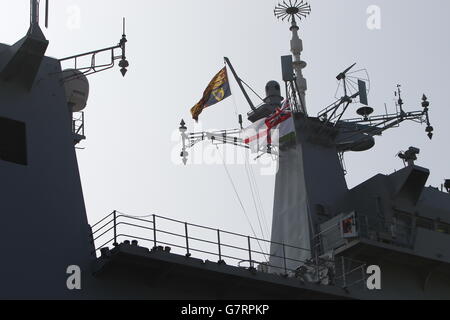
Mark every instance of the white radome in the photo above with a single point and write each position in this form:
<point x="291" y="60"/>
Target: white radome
<point x="77" y="89"/>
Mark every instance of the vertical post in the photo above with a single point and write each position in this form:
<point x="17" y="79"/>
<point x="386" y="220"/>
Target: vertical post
<point x="154" y="230"/>
<point x="187" y="239"/>
<point x="344" y="276"/>
<point x="250" y="253"/>
<point x="239" y="81"/>
<point x="82" y="120"/>
<point x="34" y="19"/>
<point x="284" y="258"/>
<point x="363" y="271"/>
<point x="317" y="265"/>
<point x="218" y="242"/>
<point x="73" y="122"/>
<point x="46" y="13"/>
<point x="115" y="228"/>
<point x="367" y="226"/>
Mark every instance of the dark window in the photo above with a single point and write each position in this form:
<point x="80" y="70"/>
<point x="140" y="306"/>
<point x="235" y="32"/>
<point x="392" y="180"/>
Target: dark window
<point x="13" y="141"/>
<point x="425" y="223"/>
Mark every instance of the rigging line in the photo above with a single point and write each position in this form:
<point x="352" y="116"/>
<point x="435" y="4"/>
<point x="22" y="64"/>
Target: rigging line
<point x="254" y="199"/>
<point x="357" y="78"/>
<point x="350" y="83"/>
<point x="236" y="111"/>
<point x="337" y="90"/>
<point x="353" y="81"/>
<point x="255" y="186"/>
<point x="365" y="70"/>
<point x="266" y="225"/>
<point x="240" y="200"/>
<point x="255" y="202"/>
<point x="252" y="90"/>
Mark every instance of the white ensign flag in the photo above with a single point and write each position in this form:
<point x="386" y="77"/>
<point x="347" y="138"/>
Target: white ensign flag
<point x="267" y="132"/>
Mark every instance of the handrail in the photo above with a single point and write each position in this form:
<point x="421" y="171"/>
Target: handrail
<point x="150" y="230"/>
<point x="94" y="225"/>
<point x="202" y="227"/>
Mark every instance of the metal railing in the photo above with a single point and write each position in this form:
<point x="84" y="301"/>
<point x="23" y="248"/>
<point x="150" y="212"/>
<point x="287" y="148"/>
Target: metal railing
<point x="395" y="232"/>
<point x="239" y="250"/>
<point x="189" y="238"/>
<point x="78" y="124"/>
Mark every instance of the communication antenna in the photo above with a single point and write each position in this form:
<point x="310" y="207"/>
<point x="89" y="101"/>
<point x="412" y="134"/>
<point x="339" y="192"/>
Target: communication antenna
<point x="46" y="14"/>
<point x="123" y="64"/>
<point x="353" y="81"/>
<point x="292" y="11"/>
<point x="352" y="85"/>
<point x="34" y="16"/>
<point x="93" y="66"/>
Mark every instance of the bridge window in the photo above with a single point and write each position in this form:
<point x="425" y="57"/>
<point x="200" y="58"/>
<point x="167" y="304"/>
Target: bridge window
<point x="425" y="223"/>
<point x="13" y="141"/>
<point x="443" y="227"/>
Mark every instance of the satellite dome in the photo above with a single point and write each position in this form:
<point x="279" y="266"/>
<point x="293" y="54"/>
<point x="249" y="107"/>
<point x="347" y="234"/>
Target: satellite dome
<point x="76" y="86"/>
<point x="273" y="88"/>
<point x="273" y="95"/>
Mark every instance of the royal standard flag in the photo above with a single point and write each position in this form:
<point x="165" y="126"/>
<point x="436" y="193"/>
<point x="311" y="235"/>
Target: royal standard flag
<point x="217" y="90"/>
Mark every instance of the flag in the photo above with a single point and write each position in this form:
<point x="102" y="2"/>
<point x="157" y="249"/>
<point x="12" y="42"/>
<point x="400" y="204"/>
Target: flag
<point x="270" y="131"/>
<point x="217" y="90"/>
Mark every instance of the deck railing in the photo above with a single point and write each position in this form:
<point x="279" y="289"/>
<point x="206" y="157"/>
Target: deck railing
<point x="207" y="243"/>
<point x="394" y="232"/>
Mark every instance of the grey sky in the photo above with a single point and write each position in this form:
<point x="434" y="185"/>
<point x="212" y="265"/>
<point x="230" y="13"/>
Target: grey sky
<point x="174" y="49"/>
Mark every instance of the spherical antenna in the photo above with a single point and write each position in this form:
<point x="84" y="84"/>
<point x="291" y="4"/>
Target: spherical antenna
<point x="291" y="9"/>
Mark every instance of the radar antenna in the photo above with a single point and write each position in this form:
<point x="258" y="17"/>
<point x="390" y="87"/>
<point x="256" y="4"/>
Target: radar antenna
<point x="351" y="85"/>
<point x="353" y="131"/>
<point x="34" y="15"/>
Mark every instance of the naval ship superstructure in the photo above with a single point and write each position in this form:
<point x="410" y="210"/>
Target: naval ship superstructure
<point x="323" y="239"/>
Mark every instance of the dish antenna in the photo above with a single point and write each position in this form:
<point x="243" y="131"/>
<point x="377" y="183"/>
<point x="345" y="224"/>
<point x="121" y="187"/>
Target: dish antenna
<point x="34" y="17"/>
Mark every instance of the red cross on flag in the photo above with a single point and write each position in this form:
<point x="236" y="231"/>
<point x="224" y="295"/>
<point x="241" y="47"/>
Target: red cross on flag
<point x="268" y="132"/>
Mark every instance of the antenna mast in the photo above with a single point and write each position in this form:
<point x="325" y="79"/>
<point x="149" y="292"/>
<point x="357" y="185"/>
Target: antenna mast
<point x="34" y="15"/>
<point x="291" y="10"/>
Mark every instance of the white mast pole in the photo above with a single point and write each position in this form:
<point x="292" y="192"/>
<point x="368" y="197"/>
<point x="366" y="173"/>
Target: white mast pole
<point x="299" y="65"/>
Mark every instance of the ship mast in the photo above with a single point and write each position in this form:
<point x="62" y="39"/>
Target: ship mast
<point x="293" y="11"/>
<point x="34" y="13"/>
<point x="34" y="18"/>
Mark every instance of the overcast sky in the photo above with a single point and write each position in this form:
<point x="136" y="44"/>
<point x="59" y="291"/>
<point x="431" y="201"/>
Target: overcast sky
<point x="174" y="49"/>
